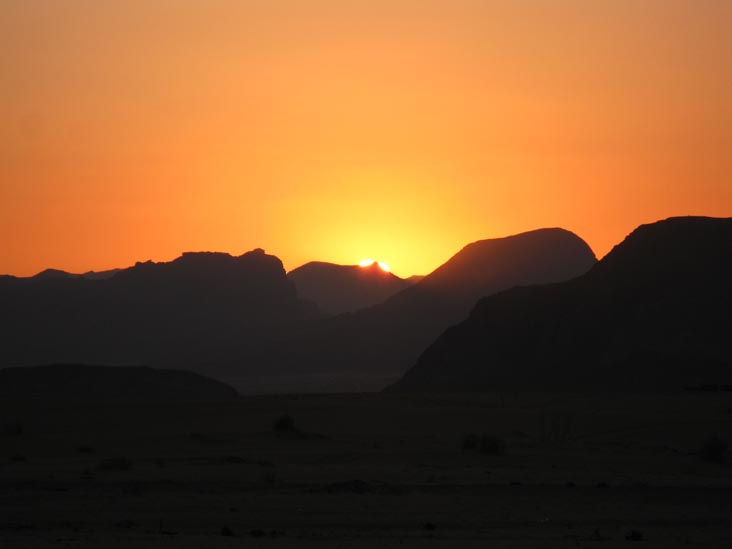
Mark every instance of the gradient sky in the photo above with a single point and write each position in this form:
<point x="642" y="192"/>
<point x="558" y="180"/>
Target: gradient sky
<point x="337" y="130"/>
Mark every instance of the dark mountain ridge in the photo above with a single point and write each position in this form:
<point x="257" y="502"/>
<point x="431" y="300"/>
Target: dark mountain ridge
<point x="653" y="314"/>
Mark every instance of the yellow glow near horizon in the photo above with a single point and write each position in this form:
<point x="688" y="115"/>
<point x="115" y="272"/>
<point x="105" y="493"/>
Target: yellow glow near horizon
<point x="401" y="128"/>
<point x="366" y="262"/>
<point x="384" y="267"/>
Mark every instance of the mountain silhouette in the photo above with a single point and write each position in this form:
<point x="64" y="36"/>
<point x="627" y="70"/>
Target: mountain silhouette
<point x="198" y="309"/>
<point x="112" y="384"/>
<point x="339" y="289"/>
<point x="654" y="314"/>
<point x="384" y="340"/>
<point x="239" y="319"/>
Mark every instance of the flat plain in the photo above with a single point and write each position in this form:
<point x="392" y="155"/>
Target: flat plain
<point x="366" y="470"/>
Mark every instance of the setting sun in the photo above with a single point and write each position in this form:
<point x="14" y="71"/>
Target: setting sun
<point x="368" y="262"/>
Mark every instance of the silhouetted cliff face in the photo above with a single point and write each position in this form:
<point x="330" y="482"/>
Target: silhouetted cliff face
<point x="117" y="384"/>
<point x="246" y="287"/>
<point x="653" y="314"/>
<point x="388" y="338"/>
<point x="201" y="307"/>
<point x="337" y="289"/>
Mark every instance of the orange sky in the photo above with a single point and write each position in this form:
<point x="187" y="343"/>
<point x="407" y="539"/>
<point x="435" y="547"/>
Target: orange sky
<point x="337" y="130"/>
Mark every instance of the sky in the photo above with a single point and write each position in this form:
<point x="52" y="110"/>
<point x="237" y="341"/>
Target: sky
<point x="338" y="130"/>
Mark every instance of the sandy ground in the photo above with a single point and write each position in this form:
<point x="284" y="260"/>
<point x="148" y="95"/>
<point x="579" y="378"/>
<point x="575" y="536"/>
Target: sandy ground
<point x="367" y="471"/>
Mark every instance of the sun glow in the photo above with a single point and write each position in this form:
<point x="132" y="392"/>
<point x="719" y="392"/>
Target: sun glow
<point x="368" y="262"/>
<point x="410" y="135"/>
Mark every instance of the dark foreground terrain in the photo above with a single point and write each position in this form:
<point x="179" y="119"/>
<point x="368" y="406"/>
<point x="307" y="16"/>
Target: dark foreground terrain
<point x="369" y="470"/>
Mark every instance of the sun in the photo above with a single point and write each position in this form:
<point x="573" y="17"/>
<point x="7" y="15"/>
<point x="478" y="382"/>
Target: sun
<point x="368" y="262"/>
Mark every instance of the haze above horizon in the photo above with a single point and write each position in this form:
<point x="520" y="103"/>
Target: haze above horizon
<point x="331" y="130"/>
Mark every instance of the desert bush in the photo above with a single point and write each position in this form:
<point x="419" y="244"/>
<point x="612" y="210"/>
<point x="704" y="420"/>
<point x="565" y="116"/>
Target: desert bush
<point x="714" y="450"/>
<point x="492" y="445"/>
<point x="284" y="423"/>
<point x="228" y="532"/>
<point x="114" y="464"/>
<point x="485" y="444"/>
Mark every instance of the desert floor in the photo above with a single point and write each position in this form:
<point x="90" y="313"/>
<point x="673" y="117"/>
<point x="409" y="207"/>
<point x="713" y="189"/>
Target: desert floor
<point x="367" y="470"/>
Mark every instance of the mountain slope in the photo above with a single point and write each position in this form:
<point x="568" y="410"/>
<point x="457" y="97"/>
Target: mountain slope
<point x="337" y="289"/>
<point x="653" y="314"/>
<point x="119" y="384"/>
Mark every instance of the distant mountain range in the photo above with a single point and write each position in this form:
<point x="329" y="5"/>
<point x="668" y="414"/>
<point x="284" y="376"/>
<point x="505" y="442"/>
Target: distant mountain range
<point x="654" y="314"/>
<point x="337" y="289"/>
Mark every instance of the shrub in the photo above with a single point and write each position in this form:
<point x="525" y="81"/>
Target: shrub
<point x="228" y="532"/>
<point x="492" y="445"/>
<point x="284" y="423"/>
<point x="714" y="450"/>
